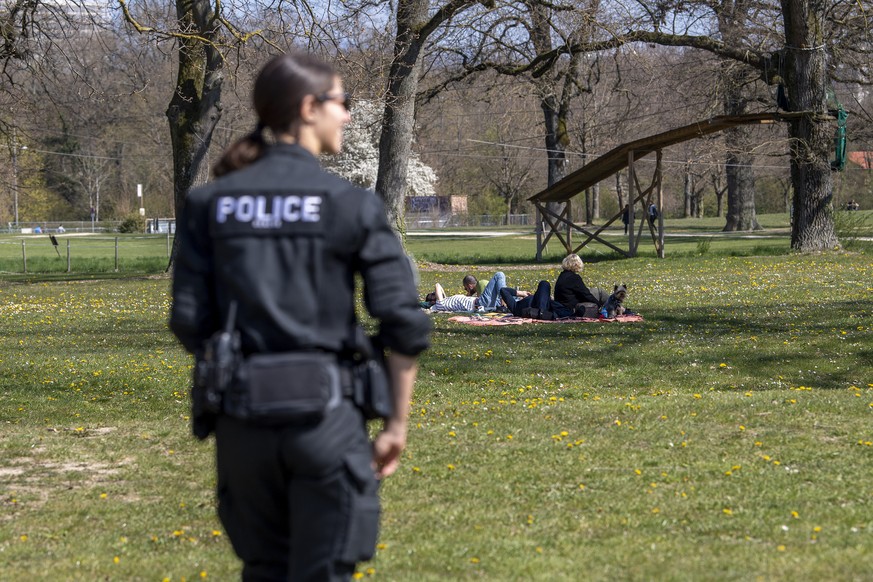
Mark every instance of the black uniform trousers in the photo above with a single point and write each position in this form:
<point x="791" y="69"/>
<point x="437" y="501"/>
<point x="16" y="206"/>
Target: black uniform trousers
<point x="299" y="502"/>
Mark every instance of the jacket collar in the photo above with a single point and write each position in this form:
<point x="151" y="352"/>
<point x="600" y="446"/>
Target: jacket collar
<point x="293" y="150"/>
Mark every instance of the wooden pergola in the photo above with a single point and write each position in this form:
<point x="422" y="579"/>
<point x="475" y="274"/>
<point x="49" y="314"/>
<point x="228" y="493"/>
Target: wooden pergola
<point x="560" y="223"/>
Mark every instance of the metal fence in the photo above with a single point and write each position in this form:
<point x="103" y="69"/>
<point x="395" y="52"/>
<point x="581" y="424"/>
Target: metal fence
<point x="61" y="226"/>
<point x="416" y="221"/>
<point x="64" y="249"/>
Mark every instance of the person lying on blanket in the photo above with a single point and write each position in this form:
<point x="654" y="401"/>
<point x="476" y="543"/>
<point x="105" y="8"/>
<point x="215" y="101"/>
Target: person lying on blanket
<point x="441" y="302"/>
<point x="540" y="305"/>
<point x="489" y="295"/>
<point x="472" y="300"/>
<point x="487" y="300"/>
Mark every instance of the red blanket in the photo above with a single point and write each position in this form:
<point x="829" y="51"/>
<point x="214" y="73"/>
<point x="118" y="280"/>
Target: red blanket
<point x="513" y="320"/>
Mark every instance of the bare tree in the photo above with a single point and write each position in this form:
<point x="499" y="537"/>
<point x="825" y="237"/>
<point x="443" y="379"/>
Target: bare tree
<point x="415" y="24"/>
<point x="801" y="55"/>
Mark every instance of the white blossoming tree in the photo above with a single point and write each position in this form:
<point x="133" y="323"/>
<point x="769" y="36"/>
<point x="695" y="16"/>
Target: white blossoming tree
<point x="359" y="160"/>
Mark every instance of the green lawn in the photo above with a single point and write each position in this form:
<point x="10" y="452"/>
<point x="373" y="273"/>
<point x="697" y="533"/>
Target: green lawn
<point x="729" y="436"/>
<point x="88" y="255"/>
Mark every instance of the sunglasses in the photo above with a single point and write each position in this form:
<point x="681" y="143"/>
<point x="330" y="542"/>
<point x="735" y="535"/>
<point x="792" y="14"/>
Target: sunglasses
<point x="345" y="99"/>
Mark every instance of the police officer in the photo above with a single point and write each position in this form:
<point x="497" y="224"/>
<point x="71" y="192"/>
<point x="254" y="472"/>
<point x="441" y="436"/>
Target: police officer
<point x="279" y="241"/>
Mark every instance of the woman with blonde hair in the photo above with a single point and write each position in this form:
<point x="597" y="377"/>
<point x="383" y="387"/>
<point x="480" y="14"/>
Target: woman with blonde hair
<point x="571" y="291"/>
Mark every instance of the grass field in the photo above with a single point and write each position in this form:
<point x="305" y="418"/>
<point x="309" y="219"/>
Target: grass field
<point x="727" y="437"/>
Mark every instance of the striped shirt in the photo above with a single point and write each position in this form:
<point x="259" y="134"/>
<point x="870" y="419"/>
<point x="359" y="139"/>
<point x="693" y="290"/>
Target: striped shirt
<point x="456" y="303"/>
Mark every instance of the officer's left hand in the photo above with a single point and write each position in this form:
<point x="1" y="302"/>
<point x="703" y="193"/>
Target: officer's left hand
<point x="387" y="448"/>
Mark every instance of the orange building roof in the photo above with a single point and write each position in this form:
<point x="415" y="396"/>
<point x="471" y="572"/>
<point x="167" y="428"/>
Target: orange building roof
<point x="863" y="159"/>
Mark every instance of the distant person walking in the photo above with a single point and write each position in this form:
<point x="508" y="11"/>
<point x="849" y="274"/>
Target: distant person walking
<point x="653" y="213"/>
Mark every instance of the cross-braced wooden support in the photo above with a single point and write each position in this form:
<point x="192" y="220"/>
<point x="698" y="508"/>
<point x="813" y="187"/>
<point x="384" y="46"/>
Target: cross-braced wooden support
<point x="616" y="160"/>
<point x="553" y="223"/>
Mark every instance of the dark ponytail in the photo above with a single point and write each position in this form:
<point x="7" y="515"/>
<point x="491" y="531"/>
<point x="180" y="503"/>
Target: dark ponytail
<point x="241" y="153"/>
<point x="278" y="94"/>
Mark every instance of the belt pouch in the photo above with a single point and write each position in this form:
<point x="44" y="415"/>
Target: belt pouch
<point x="372" y="390"/>
<point x="290" y="386"/>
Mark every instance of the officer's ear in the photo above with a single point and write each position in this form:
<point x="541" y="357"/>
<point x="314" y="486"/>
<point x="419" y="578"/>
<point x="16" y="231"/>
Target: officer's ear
<point x="308" y="109"/>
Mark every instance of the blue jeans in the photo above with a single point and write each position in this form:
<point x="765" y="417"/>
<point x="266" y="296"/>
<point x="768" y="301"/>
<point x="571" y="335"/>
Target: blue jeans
<point x="490" y="297"/>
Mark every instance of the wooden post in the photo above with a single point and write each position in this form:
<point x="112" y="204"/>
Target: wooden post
<point x="24" y="254"/>
<point x="116" y="254"/>
<point x="631" y="195"/>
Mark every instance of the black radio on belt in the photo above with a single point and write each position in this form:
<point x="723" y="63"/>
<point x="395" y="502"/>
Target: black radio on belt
<point x="213" y="375"/>
<point x="371" y="387"/>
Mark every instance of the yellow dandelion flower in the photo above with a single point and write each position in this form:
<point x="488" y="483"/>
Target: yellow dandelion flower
<point x="116" y="560"/>
<point x="23" y="537"/>
<point x="780" y="548"/>
<point x="727" y="511"/>
<point x="795" y="515"/>
<point x="474" y="560"/>
<point x="358" y="575"/>
<point x="203" y="574"/>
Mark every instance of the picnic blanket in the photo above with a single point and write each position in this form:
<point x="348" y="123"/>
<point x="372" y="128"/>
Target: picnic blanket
<point x="513" y="320"/>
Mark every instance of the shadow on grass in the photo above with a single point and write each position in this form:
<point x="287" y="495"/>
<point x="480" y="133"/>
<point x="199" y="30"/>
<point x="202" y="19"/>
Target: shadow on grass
<point x="812" y="351"/>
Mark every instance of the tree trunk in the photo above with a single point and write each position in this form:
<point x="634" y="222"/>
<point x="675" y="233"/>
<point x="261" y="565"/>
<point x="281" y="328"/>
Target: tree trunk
<point x="398" y="120"/>
<point x="556" y="141"/>
<point x="688" y="193"/>
<point x="732" y="18"/>
<point x="589" y="206"/>
<point x="595" y="201"/>
<point x="619" y="191"/>
<point x="719" y="194"/>
<point x="195" y="108"/>
<point x="555" y="110"/>
<point x="805" y="55"/>
<point x="740" y="176"/>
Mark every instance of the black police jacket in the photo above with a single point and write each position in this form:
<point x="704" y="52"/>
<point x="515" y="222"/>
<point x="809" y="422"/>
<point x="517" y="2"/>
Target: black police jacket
<point x="284" y="239"/>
